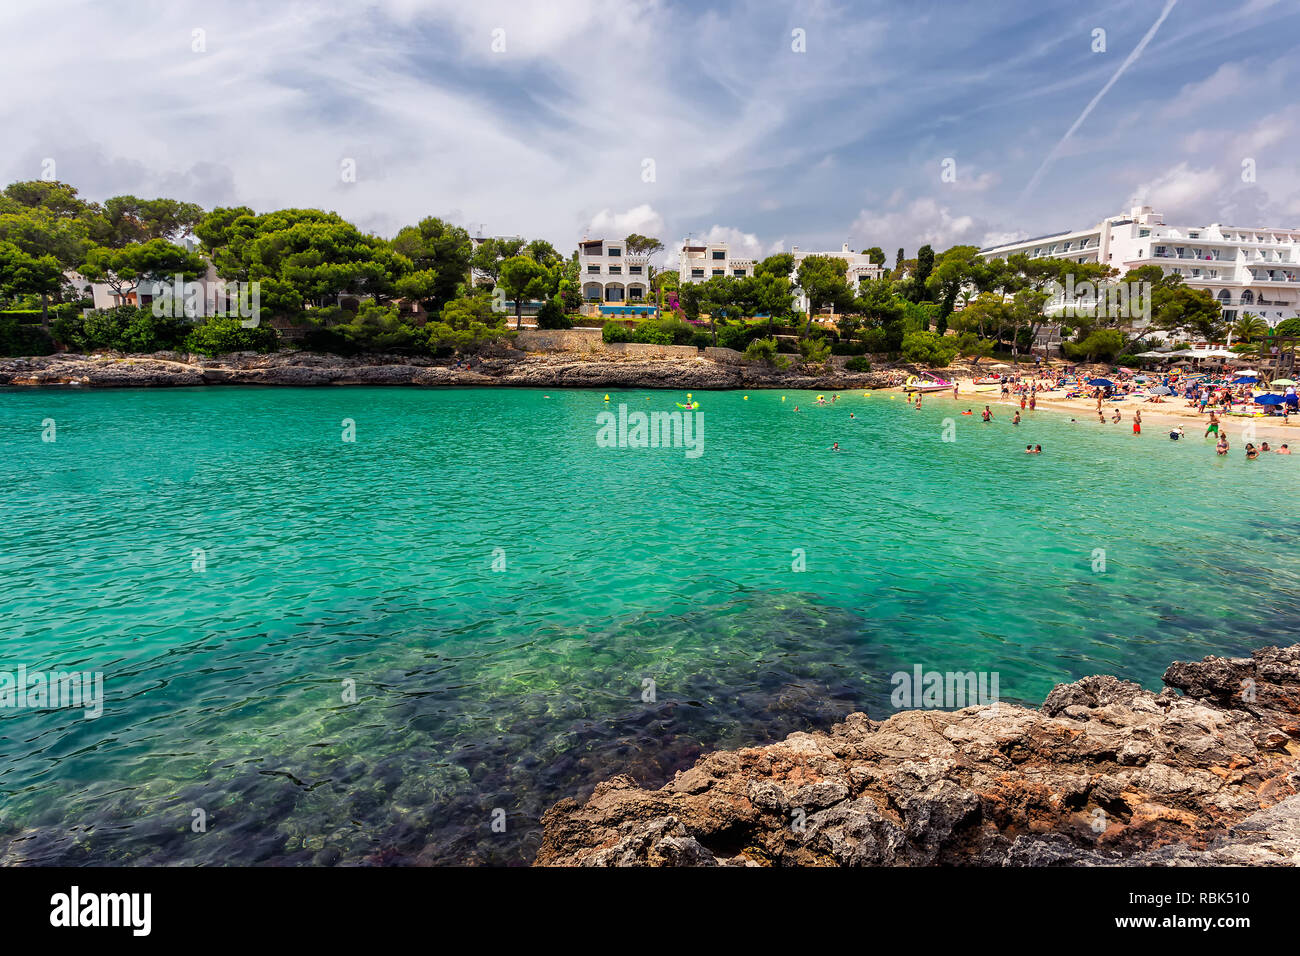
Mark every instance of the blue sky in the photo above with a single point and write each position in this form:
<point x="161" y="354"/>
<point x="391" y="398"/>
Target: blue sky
<point x="538" y="118"/>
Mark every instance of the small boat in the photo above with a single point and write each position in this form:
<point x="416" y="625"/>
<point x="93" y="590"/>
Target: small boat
<point x="994" y="379"/>
<point x="931" y="384"/>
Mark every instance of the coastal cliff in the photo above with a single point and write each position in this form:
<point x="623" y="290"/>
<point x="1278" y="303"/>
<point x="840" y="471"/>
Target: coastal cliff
<point x="517" y="369"/>
<point x="1104" y="773"/>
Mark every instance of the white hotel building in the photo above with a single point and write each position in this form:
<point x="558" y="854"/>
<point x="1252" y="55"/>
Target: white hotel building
<point x="698" y="262"/>
<point x="609" y="274"/>
<point x="1255" y="270"/>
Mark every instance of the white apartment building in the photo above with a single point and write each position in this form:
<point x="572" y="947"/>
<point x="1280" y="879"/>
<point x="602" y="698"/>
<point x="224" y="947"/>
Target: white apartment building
<point x="1254" y="269"/>
<point x="699" y="262"/>
<point x="610" y="274"/>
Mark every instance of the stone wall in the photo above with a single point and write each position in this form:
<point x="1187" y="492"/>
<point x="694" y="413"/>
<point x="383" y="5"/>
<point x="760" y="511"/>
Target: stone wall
<point x="560" y="340"/>
<point x="728" y="356"/>
<point x="645" y="350"/>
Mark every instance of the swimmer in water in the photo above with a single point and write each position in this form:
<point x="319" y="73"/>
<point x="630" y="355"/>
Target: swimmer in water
<point x="1251" y="451"/>
<point x="851" y="415"/>
<point x="1029" y="449"/>
<point x="1176" y="434"/>
<point x="1284" y="450"/>
<point x="835" y="447"/>
<point x="1016" y="419"/>
<point x="968" y="412"/>
<point x="1038" y="449"/>
<point x="1222" y="446"/>
<point x="987" y="415"/>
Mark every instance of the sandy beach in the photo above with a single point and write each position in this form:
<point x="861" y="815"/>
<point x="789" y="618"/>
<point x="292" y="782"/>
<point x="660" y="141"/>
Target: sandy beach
<point x="1156" y="418"/>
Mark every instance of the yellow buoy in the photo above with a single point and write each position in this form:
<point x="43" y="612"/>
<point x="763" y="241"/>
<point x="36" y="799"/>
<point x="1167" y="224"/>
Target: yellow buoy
<point x="746" y="398"/>
<point x="606" y="398"/>
<point x="783" y="398"/>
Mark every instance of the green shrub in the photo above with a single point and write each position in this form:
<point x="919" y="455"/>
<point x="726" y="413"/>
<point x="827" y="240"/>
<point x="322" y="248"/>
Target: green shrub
<point x="220" y="335"/>
<point x="815" y="350"/>
<point x="927" y="348"/>
<point x="615" y="332"/>
<point x="858" y="363"/>
<point x="761" y="350"/>
<point x="19" y="338"/>
<point x="125" y="328"/>
<point x="552" y="315"/>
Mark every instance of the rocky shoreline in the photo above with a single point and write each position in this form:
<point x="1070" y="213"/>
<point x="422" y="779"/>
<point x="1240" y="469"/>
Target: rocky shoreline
<point x="1103" y="774"/>
<point x="515" y="369"/>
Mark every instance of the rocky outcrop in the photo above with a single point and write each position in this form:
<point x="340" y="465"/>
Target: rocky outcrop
<point x="515" y="369"/>
<point x="1105" y="773"/>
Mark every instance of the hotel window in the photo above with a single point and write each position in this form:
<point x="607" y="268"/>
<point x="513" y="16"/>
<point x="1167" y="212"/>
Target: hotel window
<point x="593" y="270"/>
<point x="719" y="254"/>
<point x="615" y="270"/>
<point x="1143" y="233"/>
<point x="634" y="270"/>
<point x="718" y="272"/>
<point x="614" y="251"/>
<point x="697" y="273"/>
<point x="738" y="273"/>
<point x="1193" y="235"/>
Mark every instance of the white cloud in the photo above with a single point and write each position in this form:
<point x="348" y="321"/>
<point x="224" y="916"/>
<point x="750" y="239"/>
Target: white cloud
<point x="1179" y="188"/>
<point x="615" y="225"/>
<point x="923" y="221"/>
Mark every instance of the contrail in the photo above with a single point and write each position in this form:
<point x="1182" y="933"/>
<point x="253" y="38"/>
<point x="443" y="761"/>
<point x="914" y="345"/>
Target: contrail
<point x="1128" y="61"/>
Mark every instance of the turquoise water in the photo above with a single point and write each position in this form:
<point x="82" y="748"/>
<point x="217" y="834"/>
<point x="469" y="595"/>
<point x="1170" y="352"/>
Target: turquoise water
<point x="478" y="690"/>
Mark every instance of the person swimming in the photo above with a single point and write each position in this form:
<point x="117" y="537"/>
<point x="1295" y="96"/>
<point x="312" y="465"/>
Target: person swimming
<point x="1284" y="450"/>
<point x="835" y="447"/>
<point x="1038" y="449"/>
<point x="1016" y="419"/>
<point x="968" y="412"/>
<point x="1176" y="433"/>
<point x="1029" y="449"/>
<point x="1251" y="451"/>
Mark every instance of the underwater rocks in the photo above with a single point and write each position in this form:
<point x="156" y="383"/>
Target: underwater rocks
<point x="1105" y="773"/>
<point x="514" y="369"/>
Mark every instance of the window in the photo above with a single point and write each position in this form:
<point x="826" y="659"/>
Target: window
<point x="738" y="273"/>
<point x="718" y="272"/>
<point x="1193" y="235"/>
<point x="615" y="270"/>
<point x="1143" y="233"/>
<point x="719" y="254"/>
<point x="634" y="270"/>
<point x="697" y="273"/>
<point x="614" y="251"/>
<point x="593" y="270"/>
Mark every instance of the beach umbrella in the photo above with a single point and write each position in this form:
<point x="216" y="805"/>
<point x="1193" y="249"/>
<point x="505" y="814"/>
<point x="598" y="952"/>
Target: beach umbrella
<point x="1245" y="380"/>
<point x="1162" y="390"/>
<point x="1100" y="381"/>
<point x="1270" y="399"/>
<point x="1283" y="381"/>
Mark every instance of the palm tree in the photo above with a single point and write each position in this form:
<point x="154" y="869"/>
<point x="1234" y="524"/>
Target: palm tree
<point x="1249" y="327"/>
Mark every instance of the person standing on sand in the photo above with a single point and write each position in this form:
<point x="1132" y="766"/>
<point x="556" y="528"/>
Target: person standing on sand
<point x="1137" y="422"/>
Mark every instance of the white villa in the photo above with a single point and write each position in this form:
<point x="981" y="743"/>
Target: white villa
<point x="609" y="274"/>
<point x="1254" y="270"/>
<point x="698" y="262"/>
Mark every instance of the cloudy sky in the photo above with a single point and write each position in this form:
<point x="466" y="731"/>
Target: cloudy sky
<point x="774" y="124"/>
